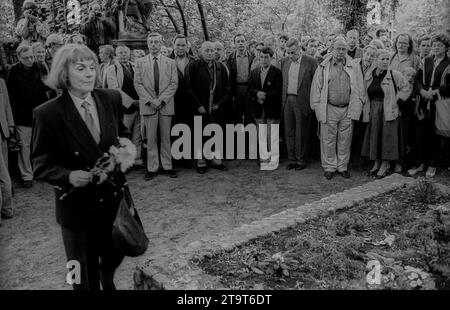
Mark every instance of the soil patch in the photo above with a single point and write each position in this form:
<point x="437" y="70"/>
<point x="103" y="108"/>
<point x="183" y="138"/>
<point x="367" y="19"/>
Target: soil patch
<point x="398" y="240"/>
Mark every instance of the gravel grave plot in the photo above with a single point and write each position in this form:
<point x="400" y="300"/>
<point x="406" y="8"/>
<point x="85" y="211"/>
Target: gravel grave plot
<point x="404" y="234"/>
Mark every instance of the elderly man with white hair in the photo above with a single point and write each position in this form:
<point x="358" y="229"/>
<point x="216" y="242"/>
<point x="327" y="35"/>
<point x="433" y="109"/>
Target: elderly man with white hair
<point x="120" y="75"/>
<point x="336" y="97"/>
<point x="209" y="89"/>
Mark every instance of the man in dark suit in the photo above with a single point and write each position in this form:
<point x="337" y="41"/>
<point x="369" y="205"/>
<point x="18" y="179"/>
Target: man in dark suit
<point x="26" y="91"/>
<point x="208" y="88"/>
<point x="298" y="71"/>
<point x="265" y="86"/>
<point x="239" y="64"/>
<point x="70" y="133"/>
<point x="183" y="108"/>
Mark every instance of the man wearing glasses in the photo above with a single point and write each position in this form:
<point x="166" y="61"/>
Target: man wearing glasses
<point x="53" y="43"/>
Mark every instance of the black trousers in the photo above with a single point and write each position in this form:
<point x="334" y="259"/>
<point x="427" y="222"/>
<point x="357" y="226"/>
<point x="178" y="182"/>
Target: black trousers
<point x="243" y="109"/>
<point x="92" y="248"/>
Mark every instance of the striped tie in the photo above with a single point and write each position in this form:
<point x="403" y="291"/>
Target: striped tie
<point x="89" y="120"/>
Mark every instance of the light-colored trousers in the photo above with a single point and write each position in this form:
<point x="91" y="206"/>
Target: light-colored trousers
<point x="150" y="130"/>
<point x="24" y="161"/>
<point x="269" y="148"/>
<point x="133" y="122"/>
<point x="336" y="139"/>
<point x="6" y="206"/>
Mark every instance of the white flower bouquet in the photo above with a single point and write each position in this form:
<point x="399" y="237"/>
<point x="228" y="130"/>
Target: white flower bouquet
<point x="121" y="157"/>
<point x="112" y="166"/>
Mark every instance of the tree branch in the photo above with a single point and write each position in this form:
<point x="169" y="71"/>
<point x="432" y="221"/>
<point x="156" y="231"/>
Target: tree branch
<point x="202" y="16"/>
<point x="169" y="15"/>
<point x="183" y="18"/>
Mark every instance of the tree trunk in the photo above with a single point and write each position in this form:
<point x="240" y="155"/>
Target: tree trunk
<point x="175" y="26"/>
<point x="183" y="18"/>
<point x="18" y="8"/>
<point x="202" y="17"/>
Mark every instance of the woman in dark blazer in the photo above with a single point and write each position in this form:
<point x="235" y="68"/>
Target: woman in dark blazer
<point x="433" y="80"/>
<point x="70" y="133"/>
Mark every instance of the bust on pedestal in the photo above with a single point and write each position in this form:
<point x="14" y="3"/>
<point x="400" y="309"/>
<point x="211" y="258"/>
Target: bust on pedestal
<point x="133" y="25"/>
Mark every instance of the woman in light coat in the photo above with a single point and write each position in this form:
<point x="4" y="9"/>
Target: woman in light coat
<point x="383" y="88"/>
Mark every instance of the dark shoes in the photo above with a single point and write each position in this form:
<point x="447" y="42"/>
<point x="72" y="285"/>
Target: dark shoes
<point x="201" y="170"/>
<point x="300" y="167"/>
<point x="297" y="167"/>
<point x="171" y="173"/>
<point x="345" y="174"/>
<point x="328" y="175"/>
<point x="150" y="175"/>
<point x="291" y="166"/>
<point x="220" y="167"/>
<point x="27" y="184"/>
<point x="7" y="216"/>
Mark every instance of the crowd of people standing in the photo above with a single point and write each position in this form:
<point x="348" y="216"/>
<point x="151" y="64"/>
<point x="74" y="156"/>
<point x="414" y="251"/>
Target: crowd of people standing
<point x="350" y="99"/>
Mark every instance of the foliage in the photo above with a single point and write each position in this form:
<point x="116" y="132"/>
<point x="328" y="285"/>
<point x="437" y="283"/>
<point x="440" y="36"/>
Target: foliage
<point x="420" y="17"/>
<point x="7" y="22"/>
<point x="425" y="191"/>
<point x="259" y="18"/>
<point x="352" y="13"/>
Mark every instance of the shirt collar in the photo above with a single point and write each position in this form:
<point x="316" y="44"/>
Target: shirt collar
<point x="265" y="70"/>
<point x="78" y="101"/>
<point x="334" y="62"/>
<point x="181" y="57"/>
<point x="157" y="57"/>
<point x="403" y="58"/>
<point x="245" y="54"/>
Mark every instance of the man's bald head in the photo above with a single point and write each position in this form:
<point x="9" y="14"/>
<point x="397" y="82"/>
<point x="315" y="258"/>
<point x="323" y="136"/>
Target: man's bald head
<point x="219" y="51"/>
<point x="208" y="50"/>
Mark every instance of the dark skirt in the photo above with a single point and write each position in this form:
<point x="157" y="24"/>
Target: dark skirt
<point x="381" y="141"/>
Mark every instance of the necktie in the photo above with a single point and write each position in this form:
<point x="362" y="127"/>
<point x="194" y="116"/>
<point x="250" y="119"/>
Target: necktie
<point x="89" y="120"/>
<point x="156" y="75"/>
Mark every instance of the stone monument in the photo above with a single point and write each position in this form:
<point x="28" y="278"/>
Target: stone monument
<point x="133" y="24"/>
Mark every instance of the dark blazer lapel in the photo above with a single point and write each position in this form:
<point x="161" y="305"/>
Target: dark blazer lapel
<point x="234" y="62"/>
<point x="77" y="127"/>
<point x="286" y="68"/>
<point x="268" y="77"/>
<point x="301" y="72"/>
<point x="258" y="79"/>
<point x="102" y="118"/>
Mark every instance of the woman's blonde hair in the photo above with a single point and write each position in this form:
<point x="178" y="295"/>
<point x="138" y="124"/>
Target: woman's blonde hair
<point x="409" y="70"/>
<point x="58" y="78"/>
<point x="383" y="52"/>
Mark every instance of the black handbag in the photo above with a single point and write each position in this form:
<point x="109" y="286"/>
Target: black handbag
<point x="128" y="235"/>
<point x="13" y="142"/>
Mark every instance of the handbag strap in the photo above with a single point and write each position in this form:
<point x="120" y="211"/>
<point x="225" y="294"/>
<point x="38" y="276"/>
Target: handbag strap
<point x="393" y="81"/>
<point x="127" y="196"/>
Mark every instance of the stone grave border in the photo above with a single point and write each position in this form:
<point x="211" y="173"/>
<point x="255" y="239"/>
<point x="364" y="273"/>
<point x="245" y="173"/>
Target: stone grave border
<point x="179" y="271"/>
